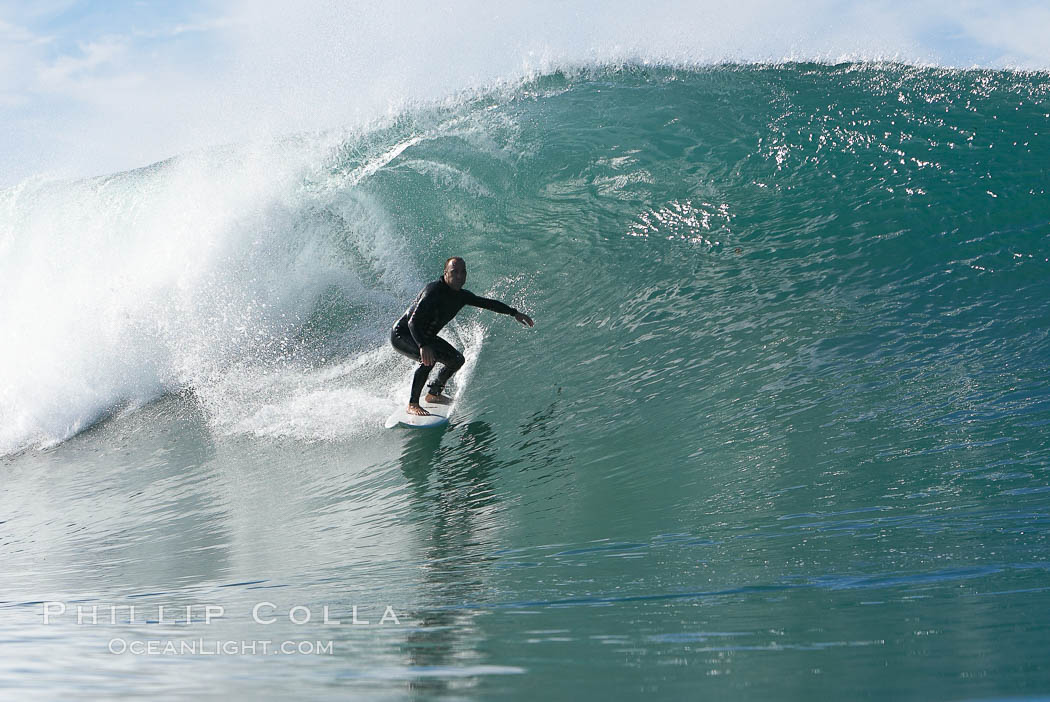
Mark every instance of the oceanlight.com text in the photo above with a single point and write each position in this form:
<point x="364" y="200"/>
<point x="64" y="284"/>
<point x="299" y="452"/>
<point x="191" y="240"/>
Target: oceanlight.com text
<point x="216" y="647"/>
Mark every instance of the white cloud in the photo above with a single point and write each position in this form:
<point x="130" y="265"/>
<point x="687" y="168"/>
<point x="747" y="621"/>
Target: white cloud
<point x="14" y="33"/>
<point x="190" y="28"/>
<point x="60" y="73"/>
<point x="1018" y="38"/>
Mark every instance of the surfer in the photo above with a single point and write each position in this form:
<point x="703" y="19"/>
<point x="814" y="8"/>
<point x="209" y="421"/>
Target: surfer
<point x="416" y="334"/>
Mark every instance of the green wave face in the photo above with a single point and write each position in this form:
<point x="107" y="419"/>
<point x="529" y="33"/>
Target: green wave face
<point x="746" y="270"/>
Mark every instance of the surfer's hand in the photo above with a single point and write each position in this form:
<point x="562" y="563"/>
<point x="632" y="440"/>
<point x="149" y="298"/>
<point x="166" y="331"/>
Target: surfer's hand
<point x="524" y="319"/>
<point x="426" y="356"/>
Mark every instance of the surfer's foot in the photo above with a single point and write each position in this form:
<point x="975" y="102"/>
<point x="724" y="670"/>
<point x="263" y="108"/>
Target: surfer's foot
<point x="438" y="399"/>
<point x="414" y="408"/>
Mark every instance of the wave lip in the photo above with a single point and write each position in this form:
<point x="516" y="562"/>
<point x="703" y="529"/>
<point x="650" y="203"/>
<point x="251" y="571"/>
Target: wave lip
<point x="264" y="69"/>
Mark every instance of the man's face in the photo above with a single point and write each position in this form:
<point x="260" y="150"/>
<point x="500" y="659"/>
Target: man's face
<point x="456" y="274"/>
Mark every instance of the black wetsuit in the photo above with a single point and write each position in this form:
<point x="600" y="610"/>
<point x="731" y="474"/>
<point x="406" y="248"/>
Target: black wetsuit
<point x="433" y="309"/>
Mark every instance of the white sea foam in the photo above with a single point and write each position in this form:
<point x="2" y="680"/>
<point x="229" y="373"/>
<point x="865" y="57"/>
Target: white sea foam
<point x="196" y="273"/>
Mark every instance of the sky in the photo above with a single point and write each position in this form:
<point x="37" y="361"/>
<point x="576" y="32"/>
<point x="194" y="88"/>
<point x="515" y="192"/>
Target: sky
<point x="90" y="87"/>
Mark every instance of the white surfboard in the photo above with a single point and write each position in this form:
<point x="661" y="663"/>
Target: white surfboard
<point x="438" y="416"/>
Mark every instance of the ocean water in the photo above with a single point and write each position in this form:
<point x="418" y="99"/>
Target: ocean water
<point x="780" y="430"/>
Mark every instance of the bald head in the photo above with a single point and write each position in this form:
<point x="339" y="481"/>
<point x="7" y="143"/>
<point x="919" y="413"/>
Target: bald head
<point x="455" y="272"/>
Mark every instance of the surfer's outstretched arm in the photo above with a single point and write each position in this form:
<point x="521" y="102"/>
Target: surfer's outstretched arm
<point x="497" y="306"/>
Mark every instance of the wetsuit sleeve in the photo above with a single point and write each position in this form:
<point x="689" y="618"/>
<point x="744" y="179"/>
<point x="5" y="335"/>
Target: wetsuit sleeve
<point x="484" y="302"/>
<point x="423" y="311"/>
